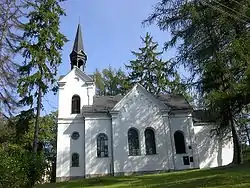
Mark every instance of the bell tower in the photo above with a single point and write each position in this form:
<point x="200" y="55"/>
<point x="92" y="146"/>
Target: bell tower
<point x="77" y="56"/>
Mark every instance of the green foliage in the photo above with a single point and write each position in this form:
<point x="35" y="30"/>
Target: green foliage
<point x="15" y="166"/>
<point x="7" y="132"/>
<point x="215" y="47"/>
<point x="16" y="138"/>
<point x="246" y="153"/>
<point x="41" y="48"/>
<point x="111" y="82"/>
<point x="156" y="75"/>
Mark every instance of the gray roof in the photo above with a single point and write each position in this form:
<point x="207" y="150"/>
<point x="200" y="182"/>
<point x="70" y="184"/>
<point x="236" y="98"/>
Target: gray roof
<point x="90" y="75"/>
<point x="176" y="102"/>
<point x="102" y="103"/>
<point x="106" y="103"/>
<point x="203" y="116"/>
<point x="61" y="77"/>
<point x="78" y="44"/>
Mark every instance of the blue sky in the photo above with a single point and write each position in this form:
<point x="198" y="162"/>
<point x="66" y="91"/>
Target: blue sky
<point x="111" y="29"/>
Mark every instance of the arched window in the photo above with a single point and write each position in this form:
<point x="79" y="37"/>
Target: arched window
<point x="179" y="142"/>
<point x="102" y="145"/>
<point x="133" y="142"/>
<point x="76" y="103"/>
<point x="150" y="141"/>
<point x="75" y="160"/>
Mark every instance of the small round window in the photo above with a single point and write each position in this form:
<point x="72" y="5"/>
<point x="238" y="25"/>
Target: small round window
<point x="75" y="135"/>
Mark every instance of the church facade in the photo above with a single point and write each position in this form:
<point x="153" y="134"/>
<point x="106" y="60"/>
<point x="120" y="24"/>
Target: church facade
<point x="135" y="133"/>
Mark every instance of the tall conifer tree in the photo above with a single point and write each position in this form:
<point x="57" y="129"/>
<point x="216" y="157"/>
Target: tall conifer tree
<point x="148" y="69"/>
<point x="214" y="46"/>
<point x="41" y="48"/>
<point x="111" y="82"/>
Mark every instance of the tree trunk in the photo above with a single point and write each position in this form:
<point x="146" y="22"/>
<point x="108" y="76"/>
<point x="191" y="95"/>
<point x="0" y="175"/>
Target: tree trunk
<point x="237" y="158"/>
<point x="33" y="169"/>
<point x="38" y="111"/>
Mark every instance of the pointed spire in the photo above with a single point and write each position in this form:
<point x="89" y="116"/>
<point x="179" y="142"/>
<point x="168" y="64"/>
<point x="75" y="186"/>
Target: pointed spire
<point x="78" y="57"/>
<point x="78" y="44"/>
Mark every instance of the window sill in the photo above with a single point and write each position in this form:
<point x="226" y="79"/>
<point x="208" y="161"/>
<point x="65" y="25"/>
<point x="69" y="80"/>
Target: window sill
<point x="102" y="157"/>
<point x="151" y="154"/>
<point x="134" y="155"/>
<point x="75" y="166"/>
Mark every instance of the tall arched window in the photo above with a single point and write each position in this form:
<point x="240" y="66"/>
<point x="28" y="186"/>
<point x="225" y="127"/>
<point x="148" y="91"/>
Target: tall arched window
<point x="75" y="160"/>
<point x="76" y="103"/>
<point x="150" y="141"/>
<point x="133" y="142"/>
<point x="179" y="142"/>
<point x="102" y="145"/>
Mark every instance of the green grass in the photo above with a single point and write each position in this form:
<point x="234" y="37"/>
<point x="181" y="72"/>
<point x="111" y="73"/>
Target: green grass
<point x="222" y="177"/>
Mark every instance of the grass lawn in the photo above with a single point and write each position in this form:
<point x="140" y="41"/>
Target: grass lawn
<point x="222" y="177"/>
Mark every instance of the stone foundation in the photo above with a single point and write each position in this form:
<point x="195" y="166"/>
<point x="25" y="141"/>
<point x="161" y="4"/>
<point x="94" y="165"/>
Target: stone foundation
<point x="141" y="172"/>
<point x="62" y="179"/>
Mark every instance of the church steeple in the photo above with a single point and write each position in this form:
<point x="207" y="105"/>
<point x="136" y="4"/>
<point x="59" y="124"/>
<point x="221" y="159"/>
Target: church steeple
<point x="78" y="57"/>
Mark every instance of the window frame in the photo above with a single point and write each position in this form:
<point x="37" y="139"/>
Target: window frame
<point x="152" y="144"/>
<point x="73" y="164"/>
<point x="74" y="137"/>
<point x="180" y="149"/>
<point x="136" y="151"/>
<point x="104" y="148"/>
<point x="75" y="104"/>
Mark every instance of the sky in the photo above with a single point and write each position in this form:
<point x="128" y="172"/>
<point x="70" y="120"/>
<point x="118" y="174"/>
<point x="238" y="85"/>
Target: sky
<point x="111" y="30"/>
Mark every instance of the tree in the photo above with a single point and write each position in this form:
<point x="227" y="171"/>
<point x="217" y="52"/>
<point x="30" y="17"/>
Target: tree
<point x="214" y="45"/>
<point x="111" y="82"/>
<point x="10" y="26"/>
<point x="7" y="133"/>
<point x="13" y="166"/>
<point x="16" y="137"/>
<point x="41" y="49"/>
<point x="148" y="69"/>
<point x="47" y="139"/>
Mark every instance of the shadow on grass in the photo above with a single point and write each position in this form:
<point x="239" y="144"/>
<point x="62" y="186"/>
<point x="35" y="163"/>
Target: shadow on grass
<point x="237" y="176"/>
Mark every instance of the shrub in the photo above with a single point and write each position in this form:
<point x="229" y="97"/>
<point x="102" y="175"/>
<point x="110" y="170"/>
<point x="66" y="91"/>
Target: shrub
<point x="15" y="166"/>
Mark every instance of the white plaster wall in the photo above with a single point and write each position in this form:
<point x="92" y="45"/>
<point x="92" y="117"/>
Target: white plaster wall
<point x="67" y="146"/>
<point x="140" y="112"/>
<point x="95" y="126"/>
<point x="74" y="84"/>
<point x="213" y="151"/>
<point x="181" y="121"/>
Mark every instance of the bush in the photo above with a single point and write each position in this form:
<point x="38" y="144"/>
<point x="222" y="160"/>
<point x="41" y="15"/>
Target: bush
<point x="15" y="167"/>
<point x="246" y="155"/>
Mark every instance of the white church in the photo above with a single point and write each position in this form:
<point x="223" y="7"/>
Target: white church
<point x="136" y="133"/>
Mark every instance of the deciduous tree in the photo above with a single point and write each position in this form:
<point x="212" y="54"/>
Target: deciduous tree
<point x="10" y="27"/>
